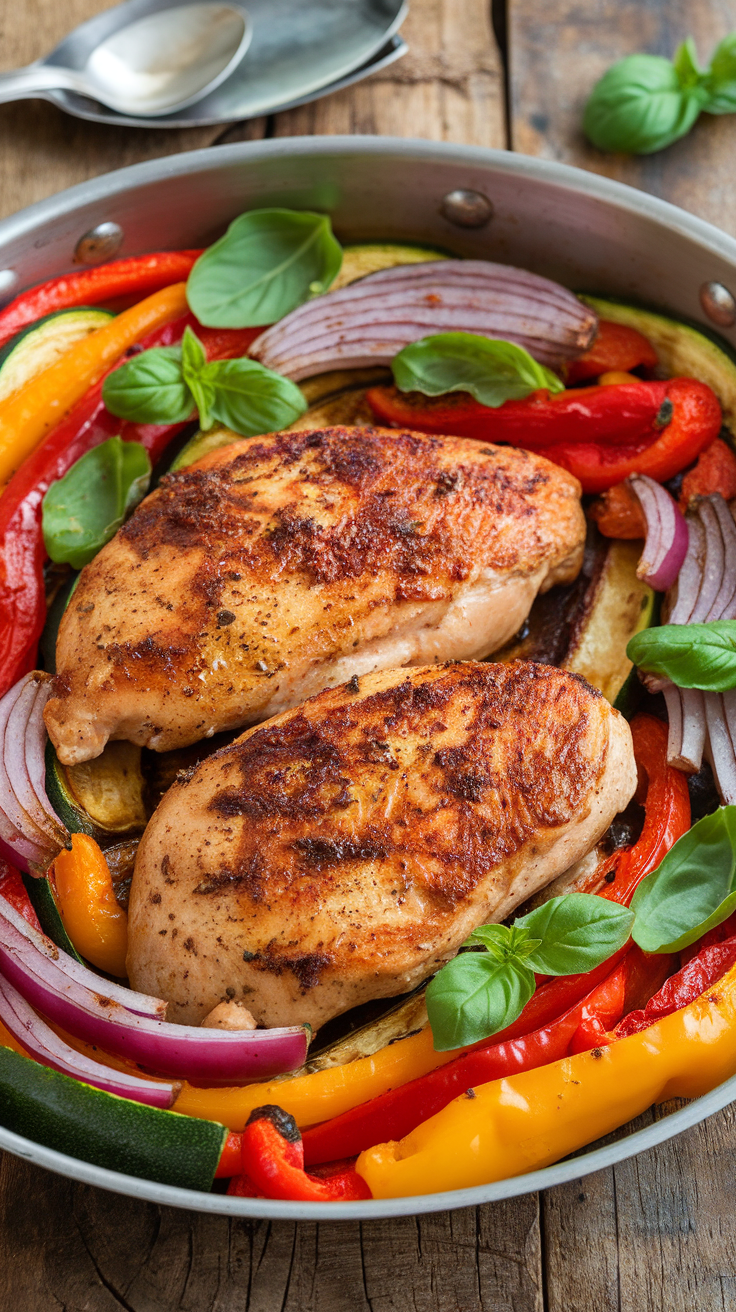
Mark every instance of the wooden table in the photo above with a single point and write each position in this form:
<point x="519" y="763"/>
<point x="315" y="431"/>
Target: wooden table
<point x="651" y="1234"/>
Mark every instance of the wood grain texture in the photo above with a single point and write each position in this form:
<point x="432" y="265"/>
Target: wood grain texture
<point x="655" y="1232"/>
<point x="43" y="150"/>
<point x="558" y="51"/>
<point x="66" y="1246"/>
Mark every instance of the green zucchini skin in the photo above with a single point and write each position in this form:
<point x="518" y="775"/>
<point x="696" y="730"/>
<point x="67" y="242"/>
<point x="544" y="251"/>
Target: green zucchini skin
<point x="41" y="898"/>
<point x="33" y="349"/>
<point x="119" y="1135"/>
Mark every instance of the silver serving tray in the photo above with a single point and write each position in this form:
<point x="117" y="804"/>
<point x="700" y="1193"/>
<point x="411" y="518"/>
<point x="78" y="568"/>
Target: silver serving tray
<point x="586" y="231"/>
<point x="301" y="49"/>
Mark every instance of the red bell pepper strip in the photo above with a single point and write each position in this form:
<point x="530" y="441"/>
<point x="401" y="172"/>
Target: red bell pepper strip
<point x="624" y="412"/>
<point x="616" y="346"/>
<point x="618" y="513"/>
<point x="709" y="965"/>
<point x="231" y="1157"/>
<point x="13" y="890"/>
<point x="398" y="1111"/>
<point x="137" y="276"/>
<point x="22" y="551"/>
<point x="273" y="1163"/>
<point x="600" y="434"/>
<point x="715" y="471"/>
<point x="664" y="793"/>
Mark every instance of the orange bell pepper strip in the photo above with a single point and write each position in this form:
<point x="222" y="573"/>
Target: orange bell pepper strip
<point x="94" y="920"/>
<point x="26" y="416"/>
<point x="528" y="1121"/>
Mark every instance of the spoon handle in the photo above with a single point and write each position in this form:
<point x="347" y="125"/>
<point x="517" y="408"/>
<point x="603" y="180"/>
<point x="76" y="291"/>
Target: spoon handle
<point x="24" y="83"/>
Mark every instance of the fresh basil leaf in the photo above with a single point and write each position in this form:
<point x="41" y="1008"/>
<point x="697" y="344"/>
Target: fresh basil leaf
<point x="640" y="105"/>
<point x="249" y="398"/>
<point x="492" y="371"/>
<point x="85" y="508"/>
<point x="269" y="262"/>
<point x="685" y="64"/>
<point x="193" y="361"/>
<point x="150" y="388"/>
<point x="474" y="996"/>
<point x="503" y="941"/>
<point x="720" y="80"/>
<point x="577" y="931"/>
<point x="691" y="655"/>
<point x="693" y="888"/>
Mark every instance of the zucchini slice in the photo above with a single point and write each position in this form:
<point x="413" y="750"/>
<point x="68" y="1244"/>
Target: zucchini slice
<point x="683" y="349"/>
<point x="368" y="257"/>
<point x="43" y="343"/>
<point x="43" y="901"/>
<point x="103" y="797"/>
<point x="617" y="606"/>
<point x="61" y="1113"/>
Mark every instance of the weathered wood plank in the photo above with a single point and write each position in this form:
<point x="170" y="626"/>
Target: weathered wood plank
<point x="67" y="1246"/>
<point x="557" y="53"/>
<point x="42" y="150"/>
<point x="654" y="1232"/>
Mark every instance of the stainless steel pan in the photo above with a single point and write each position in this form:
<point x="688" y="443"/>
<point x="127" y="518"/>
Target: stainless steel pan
<point x="584" y="230"/>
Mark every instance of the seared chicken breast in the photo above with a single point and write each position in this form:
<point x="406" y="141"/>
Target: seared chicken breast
<point x="345" y="849"/>
<point x="277" y="567"/>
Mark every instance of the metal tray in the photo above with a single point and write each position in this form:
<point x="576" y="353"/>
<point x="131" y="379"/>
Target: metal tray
<point x="586" y="231"/>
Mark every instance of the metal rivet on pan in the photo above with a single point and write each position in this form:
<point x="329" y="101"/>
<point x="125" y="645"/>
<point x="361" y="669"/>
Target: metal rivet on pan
<point x="718" y="303"/>
<point x="8" y="279"/>
<point x="100" y="243"/>
<point x="466" y="209"/>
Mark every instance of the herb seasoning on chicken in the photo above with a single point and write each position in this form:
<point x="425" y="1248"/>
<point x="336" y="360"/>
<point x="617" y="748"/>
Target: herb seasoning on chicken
<point x="347" y="848"/>
<point x="275" y="568"/>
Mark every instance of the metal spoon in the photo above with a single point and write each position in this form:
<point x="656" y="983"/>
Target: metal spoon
<point x="152" y="65"/>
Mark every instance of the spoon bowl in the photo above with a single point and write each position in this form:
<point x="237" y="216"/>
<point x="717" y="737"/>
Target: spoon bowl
<point x="150" y="66"/>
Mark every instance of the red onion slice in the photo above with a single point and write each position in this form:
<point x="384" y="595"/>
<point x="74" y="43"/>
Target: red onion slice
<point x="23" y="753"/>
<point x="722" y="757"/>
<point x="26" y="849"/>
<point x="204" y="1056"/>
<point x="713" y="563"/>
<point x="46" y="1046"/>
<point x="725" y="596"/>
<point x="370" y="321"/>
<point x="59" y="972"/>
<point x="690" y="579"/>
<point x="667" y="537"/>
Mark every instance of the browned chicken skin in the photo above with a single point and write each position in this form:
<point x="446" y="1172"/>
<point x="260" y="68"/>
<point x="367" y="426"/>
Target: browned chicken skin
<point x="278" y="567"/>
<point x="343" y="850"/>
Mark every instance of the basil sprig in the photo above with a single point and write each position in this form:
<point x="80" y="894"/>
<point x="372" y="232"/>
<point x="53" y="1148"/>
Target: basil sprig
<point x="645" y="102"/>
<point x="477" y="994"/>
<point x="492" y="371"/>
<point x="693" y="888"/>
<point x="167" y="385"/>
<point x="85" y="508"/>
<point x="691" y="655"/>
<point x="268" y="263"/>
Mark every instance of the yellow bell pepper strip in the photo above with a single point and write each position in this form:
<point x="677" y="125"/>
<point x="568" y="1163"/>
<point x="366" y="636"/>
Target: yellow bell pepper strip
<point x="530" y="1120"/>
<point x="26" y="416"/>
<point x="93" y="918"/>
<point x="322" y="1095"/>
